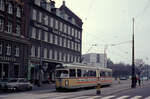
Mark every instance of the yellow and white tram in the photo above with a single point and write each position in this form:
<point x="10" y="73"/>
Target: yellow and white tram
<point x="70" y="76"/>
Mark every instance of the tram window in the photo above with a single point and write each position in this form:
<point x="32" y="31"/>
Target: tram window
<point x="72" y="73"/>
<point x="102" y="73"/>
<point x="61" y="73"/>
<point x="79" y="72"/>
<point x="84" y="73"/>
<point x="109" y="74"/>
<point x="92" y="73"/>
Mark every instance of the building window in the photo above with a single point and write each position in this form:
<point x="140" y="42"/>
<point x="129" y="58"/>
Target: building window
<point x="34" y="14"/>
<point x="1" y="25"/>
<point x="18" y="29"/>
<point x="61" y="26"/>
<point x="56" y="24"/>
<point x="65" y="28"/>
<point x="64" y="42"/>
<point x="1" y="48"/>
<point x="64" y="57"/>
<point x="33" y="51"/>
<point x="9" y="27"/>
<point x="72" y="32"/>
<point x="60" y="41"/>
<point x="56" y="40"/>
<point x="39" y="34"/>
<point x="51" y="22"/>
<point x="8" y="51"/>
<point x="79" y="48"/>
<point x="17" y="52"/>
<point x="76" y="34"/>
<point x="68" y="58"/>
<point x="76" y="46"/>
<point x="45" y="20"/>
<point x="51" y="38"/>
<point x="39" y="52"/>
<point x="72" y="45"/>
<point x="45" y="52"/>
<point x="33" y="33"/>
<point x="60" y="56"/>
<point x="2" y="6"/>
<point x="40" y="17"/>
<point x="10" y="8"/>
<point x="50" y="54"/>
<point x="69" y="30"/>
<point x="43" y="4"/>
<point x="68" y="43"/>
<point x="55" y="55"/>
<point x="46" y="36"/>
<point x="18" y="14"/>
<point x="79" y="34"/>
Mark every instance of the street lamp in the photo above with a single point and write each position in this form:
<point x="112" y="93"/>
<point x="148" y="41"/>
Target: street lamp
<point x="133" y="84"/>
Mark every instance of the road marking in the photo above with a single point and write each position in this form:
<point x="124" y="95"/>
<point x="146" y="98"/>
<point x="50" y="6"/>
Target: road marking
<point x="80" y="97"/>
<point x="123" y="97"/>
<point x="147" y="97"/>
<point x="136" y="97"/>
<point x="93" y="97"/>
<point x="108" y="97"/>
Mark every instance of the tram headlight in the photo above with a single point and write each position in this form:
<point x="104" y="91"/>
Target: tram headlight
<point x="66" y="82"/>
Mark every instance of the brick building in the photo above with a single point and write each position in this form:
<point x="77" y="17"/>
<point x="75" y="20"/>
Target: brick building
<point x="13" y="40"/>
<point x="55" y="35"/>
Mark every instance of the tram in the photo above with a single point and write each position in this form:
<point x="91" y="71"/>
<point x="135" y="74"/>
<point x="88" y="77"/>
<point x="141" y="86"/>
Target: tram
<point x="71" y="76"/>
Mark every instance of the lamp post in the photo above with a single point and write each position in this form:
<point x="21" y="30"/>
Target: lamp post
<point x="133" y="84"/>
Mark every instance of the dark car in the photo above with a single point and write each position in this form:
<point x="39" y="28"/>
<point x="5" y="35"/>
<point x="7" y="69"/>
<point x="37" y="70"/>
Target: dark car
<point x="15" y="84"/>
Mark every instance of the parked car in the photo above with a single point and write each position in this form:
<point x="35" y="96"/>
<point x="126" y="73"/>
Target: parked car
<point x="3" y="82"/>
<point x="15" y="84"/>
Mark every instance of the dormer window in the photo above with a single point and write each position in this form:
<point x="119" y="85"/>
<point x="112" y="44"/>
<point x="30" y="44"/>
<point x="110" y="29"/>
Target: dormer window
<point x="10" y="8"/>
<point x="2" y="6"/>
<point x="43" y="4"/>
<point x="18" y="12"/>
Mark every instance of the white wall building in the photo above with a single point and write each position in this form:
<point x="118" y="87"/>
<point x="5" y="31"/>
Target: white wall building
<point x="95" y="59"/>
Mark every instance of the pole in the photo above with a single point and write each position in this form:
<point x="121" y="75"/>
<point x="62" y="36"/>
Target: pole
<point x="133" y="85"/>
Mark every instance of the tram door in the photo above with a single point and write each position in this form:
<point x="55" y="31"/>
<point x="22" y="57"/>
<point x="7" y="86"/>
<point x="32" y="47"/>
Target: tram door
<point x="4" y="70"/>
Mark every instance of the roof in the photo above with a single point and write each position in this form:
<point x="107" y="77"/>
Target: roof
<point x="70" y="13"/>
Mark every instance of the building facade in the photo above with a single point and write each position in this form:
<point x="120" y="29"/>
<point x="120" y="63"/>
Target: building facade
<point x="55" y="35"/>
<point x="95" y="59"/>
<point x="13" y="40"/>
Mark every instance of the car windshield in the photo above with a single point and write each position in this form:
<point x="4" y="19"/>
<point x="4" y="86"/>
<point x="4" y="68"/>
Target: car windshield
<point x="61" y="73"/>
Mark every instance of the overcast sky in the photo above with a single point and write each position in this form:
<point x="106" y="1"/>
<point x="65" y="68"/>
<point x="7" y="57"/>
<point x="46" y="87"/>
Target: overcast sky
<point x="110" y="22"/>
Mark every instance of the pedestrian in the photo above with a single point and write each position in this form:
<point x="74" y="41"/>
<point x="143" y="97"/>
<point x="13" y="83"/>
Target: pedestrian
<point x="139" y="81"/>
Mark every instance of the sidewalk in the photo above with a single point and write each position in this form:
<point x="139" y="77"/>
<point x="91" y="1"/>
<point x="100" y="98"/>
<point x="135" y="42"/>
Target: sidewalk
<point x="122" y="87"/>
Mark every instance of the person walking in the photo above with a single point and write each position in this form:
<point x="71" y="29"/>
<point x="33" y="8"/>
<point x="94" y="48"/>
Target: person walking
<point x="139" y="81"/>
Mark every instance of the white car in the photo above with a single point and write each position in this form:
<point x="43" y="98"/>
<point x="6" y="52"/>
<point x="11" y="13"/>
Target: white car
<point x="17" y="84"/>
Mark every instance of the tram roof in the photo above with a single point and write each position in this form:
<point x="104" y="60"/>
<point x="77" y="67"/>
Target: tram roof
<point x="79" y="65"/>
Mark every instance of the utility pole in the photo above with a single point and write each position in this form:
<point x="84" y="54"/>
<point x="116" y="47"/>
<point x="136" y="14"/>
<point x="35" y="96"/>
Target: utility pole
<point x="133" y="85"/>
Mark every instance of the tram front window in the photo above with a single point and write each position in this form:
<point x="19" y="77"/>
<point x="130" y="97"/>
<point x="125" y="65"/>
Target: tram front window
<point x="61" y="74"/>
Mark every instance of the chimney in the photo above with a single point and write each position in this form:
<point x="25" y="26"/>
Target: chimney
<point x="52" y="4"/>
<point x="63" y="3"/>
